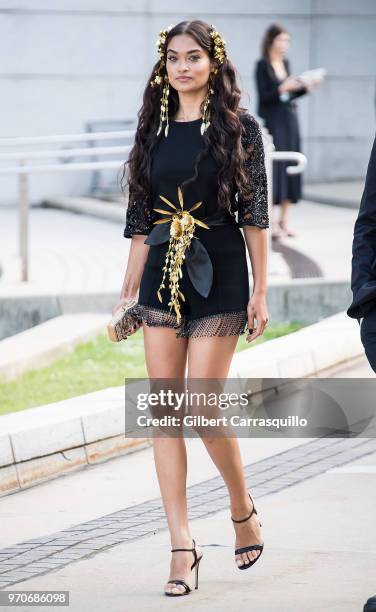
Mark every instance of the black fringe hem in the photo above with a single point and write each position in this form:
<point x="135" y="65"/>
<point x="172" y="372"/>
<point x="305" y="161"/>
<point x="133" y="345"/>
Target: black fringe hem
<point x="230" y="323"/>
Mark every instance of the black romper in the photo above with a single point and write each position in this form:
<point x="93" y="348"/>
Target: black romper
<point x="214" y="276"/>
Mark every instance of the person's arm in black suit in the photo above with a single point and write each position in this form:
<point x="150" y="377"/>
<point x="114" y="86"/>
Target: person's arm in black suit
<point x="363" y="273"/>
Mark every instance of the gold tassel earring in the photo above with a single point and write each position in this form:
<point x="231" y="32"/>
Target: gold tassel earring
<point x="164" y="107"/>
<point x="207" y="114"/>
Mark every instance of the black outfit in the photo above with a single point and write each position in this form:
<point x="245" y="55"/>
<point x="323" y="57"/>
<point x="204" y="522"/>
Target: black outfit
<point x="281" y="119"/>
<point x="215" y="279"/>
<point x="363" y="274"/>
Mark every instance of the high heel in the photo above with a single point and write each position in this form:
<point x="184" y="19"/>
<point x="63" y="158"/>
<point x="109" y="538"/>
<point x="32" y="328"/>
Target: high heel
<point x="195" y="564"/>
<point x="244" y="549"/>
<point x="286" y="231"/>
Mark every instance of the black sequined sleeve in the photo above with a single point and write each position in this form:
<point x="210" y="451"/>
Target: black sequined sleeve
<point x="139" y="217"/>
<point x="254" y="210"/>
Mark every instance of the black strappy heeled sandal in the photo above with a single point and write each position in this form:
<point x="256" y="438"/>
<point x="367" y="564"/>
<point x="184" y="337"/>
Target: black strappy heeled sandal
<point x="247" y="548"/>
<point x="195" y="564"/>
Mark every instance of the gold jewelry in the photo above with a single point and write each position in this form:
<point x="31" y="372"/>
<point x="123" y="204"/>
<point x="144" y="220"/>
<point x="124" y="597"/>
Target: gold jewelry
<point x="157" y="80"/>
<point x="181" y="233"/>
<point x="219" y="45"/>
<point x="207" y="114"/>
<point x="220" y="55"/>
<point x="164" y="107"/>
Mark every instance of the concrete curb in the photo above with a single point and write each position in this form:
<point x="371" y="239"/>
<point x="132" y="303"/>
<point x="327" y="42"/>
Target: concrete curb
<point x="325" y="344"/>
<point x="307" y="299"/>
<point x="48" y="441"/>
<point x="345" y="194"/>
<point x="331" y="201"/>
<point x="44" y="442"/>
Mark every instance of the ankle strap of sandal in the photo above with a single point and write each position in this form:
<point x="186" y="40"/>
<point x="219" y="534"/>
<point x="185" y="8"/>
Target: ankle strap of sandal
<point x="250" y="514"/>
<point x="187" y="549"/>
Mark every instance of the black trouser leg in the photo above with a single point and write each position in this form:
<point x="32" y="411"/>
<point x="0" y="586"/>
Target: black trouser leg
<point x="368" y="337"/>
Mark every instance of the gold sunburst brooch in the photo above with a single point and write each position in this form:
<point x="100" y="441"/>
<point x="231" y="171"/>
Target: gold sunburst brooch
<point x="181" y="233"/>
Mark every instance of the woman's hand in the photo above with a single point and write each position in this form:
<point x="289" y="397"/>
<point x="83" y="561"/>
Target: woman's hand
<point x="257" y="309"/>
<point x="121" y="303"/>
<point x="291" y="84"/>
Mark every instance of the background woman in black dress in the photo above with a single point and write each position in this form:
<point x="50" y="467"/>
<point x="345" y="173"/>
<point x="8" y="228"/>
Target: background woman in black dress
<point x="277" y="90"/>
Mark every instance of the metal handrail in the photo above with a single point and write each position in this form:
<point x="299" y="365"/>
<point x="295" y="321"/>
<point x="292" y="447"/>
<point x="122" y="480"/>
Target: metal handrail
<point x="18" y="140"/>
<point x="291" y="156"/>
<point x="24" y="169"/>
<point x="61" y="167"/>
<point x="64" y="152"/>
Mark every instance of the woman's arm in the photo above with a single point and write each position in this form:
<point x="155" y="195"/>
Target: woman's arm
<point x="136" y="262"/>
<point x="257" y="245"/>
<point x="268" y="89"/>
<point x="363" y="270"/>
<point x="296" y="93"/>
<point x="297" y="89"/>
<point x="253" y="218"/>
<point x="137" y="227"/>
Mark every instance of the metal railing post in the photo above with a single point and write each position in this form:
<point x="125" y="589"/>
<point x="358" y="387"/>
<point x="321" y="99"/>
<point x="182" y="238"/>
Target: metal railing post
<point x="23" y="234"/>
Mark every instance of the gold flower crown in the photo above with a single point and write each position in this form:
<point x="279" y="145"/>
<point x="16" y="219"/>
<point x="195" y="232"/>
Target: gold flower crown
<point x="219" y="51"/>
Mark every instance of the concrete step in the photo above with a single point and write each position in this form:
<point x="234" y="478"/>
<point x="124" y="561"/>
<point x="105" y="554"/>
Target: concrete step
<point x="95" y="207"/>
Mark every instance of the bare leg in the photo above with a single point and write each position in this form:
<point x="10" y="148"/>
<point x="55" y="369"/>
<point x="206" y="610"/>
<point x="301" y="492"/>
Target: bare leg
<point x="210" y="357"/>
<point x="276" y="229"/>
<point x="166" y="358"/>
<point x="283" y="218"/>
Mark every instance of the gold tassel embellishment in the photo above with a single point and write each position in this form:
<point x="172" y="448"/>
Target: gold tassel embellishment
<point x="181" y="233"/>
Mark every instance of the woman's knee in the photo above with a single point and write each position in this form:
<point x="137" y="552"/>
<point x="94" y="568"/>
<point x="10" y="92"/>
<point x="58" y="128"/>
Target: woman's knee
<point x="210" y="356"/>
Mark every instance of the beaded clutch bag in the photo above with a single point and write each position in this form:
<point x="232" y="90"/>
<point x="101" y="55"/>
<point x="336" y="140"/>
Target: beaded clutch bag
<point x="124" y="323"/>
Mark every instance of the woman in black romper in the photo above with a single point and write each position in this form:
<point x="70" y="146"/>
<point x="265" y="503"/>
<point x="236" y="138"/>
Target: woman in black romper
<point x="200" y="311"/>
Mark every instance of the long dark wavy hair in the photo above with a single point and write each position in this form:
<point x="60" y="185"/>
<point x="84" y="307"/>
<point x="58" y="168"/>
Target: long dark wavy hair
<point x="274" y="30"/>
<point x="222" y="138"/>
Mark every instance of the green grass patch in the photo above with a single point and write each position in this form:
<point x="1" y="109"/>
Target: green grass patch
<point x="95" y="365"/>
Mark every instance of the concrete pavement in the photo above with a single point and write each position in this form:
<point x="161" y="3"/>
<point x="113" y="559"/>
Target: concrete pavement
<point x="315" y="499"/>
<point x="319" y="549"/>
<point x="318" y="556"/>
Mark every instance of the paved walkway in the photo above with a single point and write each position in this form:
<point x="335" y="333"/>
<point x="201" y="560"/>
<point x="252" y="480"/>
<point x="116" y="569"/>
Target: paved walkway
<point x="308" y="496"/>
<point x="68" y="252"/>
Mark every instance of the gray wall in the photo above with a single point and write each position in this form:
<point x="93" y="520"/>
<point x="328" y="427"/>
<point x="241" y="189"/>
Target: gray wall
<point x="64" y="62"/>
